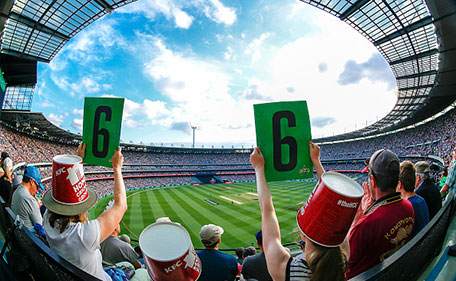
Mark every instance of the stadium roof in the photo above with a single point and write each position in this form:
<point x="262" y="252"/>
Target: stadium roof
<point x="35" y="123"/>
<point x="36" y="30"/>
<point x="419" y="43"/>
<point x="416" y="38"/>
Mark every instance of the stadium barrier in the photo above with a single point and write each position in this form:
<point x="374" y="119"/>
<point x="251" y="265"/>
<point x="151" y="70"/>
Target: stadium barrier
<point x="412" y="260"/>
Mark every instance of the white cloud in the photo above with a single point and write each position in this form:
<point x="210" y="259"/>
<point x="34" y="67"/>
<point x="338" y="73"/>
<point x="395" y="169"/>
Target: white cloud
<point x="78" y="112"/>
<point x="77" y="124"/>
<point x="174" y="10"/>
<point x="134" y="112"/>
<point x="199" y="90"/>
<point x="229" y="53"/>
<point x="47" y="104"/>
<point x="154" y="109"/>
<point x="219" y="13"/>
<point x="56" y="119"/>
<point x="182" y="19"/>
<point x="254" y="48"/>
<point x="88" y="84"/>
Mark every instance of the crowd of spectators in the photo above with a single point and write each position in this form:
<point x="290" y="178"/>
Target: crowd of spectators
<point x="433" y="138"/>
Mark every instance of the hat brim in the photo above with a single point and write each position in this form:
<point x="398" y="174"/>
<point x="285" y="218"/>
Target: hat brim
<point x="69" y="210"/>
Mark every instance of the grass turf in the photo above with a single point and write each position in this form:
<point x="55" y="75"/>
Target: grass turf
<point x="187" y="205"/>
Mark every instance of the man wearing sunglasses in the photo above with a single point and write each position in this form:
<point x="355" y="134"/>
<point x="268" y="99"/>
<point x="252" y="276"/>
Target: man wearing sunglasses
<point x="24" y="204"/>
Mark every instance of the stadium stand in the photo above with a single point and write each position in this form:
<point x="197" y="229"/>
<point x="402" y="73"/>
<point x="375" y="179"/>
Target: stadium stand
<point x="415" y="37"/>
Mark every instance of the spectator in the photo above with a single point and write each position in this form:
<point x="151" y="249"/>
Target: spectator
<point x="75" y="238"/>
<point x="319" y="263"/>
<point x="239" y="252"/>
<point x="7" y="165"/>
<point x="451" y="179"/>
<point x="376" y="236"/>
<point x="443" y="178"/>
<point x="114" y="250"/>
<point x="23" y="202"/>
<point x="216" y="266"/>
<point x="255" y="266"/>
<point x="427" y="189"/>
<point x="6" y="189"/>
<point x="125" y="238"/>
<point x="406" y="187"/>
<point x="249" y="251"/>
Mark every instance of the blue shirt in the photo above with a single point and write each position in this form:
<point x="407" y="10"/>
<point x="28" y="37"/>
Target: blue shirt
<point x="217" y="266"/>
<point x="421" y="213"/>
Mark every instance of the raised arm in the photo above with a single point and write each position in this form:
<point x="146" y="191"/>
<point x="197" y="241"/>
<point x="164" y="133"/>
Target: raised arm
<point x="315" y="157"/>
<point x="110" y="218"/>
<point x="276" y="255"/>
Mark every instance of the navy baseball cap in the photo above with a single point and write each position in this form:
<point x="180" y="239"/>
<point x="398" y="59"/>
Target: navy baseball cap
<point x="33" y="173"/>
<point x="384" y="163"/>
<point x="259" y="237"/>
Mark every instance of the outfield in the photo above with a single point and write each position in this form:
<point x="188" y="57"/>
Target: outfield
<point x="232" y="206"/>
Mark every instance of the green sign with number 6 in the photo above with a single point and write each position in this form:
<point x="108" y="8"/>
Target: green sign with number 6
<point x="283" y="135"/>
<point x="101" y="129"/>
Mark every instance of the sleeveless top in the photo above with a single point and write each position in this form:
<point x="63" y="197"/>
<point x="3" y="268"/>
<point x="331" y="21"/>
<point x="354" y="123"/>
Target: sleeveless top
<point x="297" y="270"/>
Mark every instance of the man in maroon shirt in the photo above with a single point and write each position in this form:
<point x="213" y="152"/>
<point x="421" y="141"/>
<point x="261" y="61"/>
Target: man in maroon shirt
<point x="387" y="224"/>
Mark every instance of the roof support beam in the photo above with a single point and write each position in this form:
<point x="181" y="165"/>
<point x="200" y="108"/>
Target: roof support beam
<point x="22" y="55"/>
<point x="353" y="8"/>
<point x="35" y="25"/>
<point x="423" y="22"/>
<point x="107" y="8"/>
<point x="413" y="97"/>
<point x="417" y="75"/>
<point x="417" y="87"/>
<point x="416" y="56"/>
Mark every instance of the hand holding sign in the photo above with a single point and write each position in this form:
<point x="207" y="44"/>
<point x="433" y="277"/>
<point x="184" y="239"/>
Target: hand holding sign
<point x="283" y="133"/>
<point x="101" y="132"/>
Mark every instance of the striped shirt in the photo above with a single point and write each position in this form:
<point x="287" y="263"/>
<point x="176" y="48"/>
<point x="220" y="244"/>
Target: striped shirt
<point x="451" y="176"/>
<point x="297" y="270"/>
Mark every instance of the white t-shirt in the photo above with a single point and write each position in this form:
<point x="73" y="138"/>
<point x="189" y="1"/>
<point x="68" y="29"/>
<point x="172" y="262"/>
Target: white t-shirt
<point x="8" y="163"/>
<point x="79" y="244"/>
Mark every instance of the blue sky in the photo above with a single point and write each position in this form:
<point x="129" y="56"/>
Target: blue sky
<point x="208" y="62"/>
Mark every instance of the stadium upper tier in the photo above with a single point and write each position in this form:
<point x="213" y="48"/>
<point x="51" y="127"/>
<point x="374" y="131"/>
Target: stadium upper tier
<point x="435" y="138"/>
<point x="415" y="37"/>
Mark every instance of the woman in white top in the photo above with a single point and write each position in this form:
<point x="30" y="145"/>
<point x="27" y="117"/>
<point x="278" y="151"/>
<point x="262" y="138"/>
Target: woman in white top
<point x="318" y="262"/>
<point x="75" y="238"/>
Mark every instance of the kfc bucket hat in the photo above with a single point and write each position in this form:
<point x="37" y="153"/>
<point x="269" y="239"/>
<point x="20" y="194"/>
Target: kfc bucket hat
<point x="61" y="198"/>
<point x="69" y="210"/>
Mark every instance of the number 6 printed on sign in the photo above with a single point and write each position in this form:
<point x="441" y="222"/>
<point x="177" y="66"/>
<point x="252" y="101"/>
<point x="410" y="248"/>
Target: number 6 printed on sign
<point x="101" y="129"/>
<point x="283" y="133"/>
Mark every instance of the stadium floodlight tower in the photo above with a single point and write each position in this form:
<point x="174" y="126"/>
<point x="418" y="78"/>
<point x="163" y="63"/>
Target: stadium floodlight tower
<point x="193" y="126"/>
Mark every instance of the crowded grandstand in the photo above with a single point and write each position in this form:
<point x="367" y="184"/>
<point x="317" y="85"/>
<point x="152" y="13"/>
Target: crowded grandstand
<point x="156" y="185"/>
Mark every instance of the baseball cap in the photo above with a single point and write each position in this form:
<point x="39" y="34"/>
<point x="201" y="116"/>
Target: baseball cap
<point x="384" y="162"/>
<point x="33" y="173"/>
<point x="210" y="234"/>
<point x="17" y="180"/>
<point x="422" y="167"/>
<point x="259" y="237"/>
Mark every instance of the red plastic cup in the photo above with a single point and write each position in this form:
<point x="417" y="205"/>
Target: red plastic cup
<point x="330" y="209"/>
<point x="68" y="181"/>
<point x="168" y="252"/>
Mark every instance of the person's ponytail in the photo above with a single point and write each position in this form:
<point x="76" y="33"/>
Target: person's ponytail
<point x="327" y="264"/>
